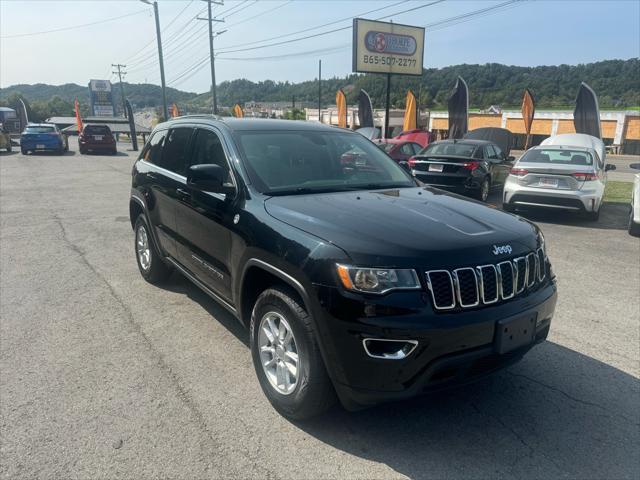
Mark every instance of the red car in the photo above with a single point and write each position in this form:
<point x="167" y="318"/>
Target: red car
<point x="97" y="138"/>
<point x="399" y="150"/>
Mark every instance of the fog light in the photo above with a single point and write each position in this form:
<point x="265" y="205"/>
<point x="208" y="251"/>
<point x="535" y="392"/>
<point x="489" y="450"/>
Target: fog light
<point x="389" y="349"/>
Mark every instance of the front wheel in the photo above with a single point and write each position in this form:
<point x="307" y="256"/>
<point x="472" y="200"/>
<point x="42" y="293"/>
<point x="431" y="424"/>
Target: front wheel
<point x="286" y="356"/>
<point x="150" y="263"/>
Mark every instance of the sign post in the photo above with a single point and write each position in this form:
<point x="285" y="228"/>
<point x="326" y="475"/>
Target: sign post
<point x="390" y="48"/>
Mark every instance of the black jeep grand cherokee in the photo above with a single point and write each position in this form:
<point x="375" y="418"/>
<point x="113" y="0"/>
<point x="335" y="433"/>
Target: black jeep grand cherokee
<point x="352" y="279"/>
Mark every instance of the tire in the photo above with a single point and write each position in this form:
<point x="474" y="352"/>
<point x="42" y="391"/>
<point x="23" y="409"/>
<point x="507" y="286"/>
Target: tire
<point x="9" y="148"/>
<point x="151" y="266"/>
<point x="593" y="216"/>
<point x="634" y="228"/>
<point x="82" y="151"/>
<point x="483" y="193"/>
<point x="311" y="390"/>
<point x="23" y="151"/>
<point x="507" y="207"/>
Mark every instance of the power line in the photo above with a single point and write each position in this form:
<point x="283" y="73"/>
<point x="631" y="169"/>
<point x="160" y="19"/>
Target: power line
<point x="313" y="28"/>
<point x="260" y="14"/>
<point x="73" y="27"/>
<point x="284" y="42"/>
<point x="439" y="25"/>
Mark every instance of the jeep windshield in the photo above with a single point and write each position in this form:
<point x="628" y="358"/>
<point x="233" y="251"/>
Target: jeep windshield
<point x="299" y="162"/>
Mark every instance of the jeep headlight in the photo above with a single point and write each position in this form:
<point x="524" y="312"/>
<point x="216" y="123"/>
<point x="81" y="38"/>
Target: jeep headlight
<point x="377" y="280"/>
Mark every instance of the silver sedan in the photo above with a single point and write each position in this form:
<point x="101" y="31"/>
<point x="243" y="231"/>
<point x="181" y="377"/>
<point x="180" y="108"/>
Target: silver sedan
<point x="566" y="172"/>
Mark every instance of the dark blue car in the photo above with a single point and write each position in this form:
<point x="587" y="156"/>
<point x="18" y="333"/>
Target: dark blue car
<point x="43" y="137"/>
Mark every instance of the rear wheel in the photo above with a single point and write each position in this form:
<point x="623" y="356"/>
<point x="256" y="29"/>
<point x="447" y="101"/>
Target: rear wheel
<point x="286" y="356"/>
<point x="483" y="193"/>
<point x="150" y="263"/>
<point x="9" y="148"/>
<point x="24" y="151"/>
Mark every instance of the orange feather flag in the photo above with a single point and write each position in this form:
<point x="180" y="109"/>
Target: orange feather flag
<point x="237" y="111"/>
<point x="341" y="102"/>
<point x="78" y="118"/>
<point x="410" y="113"/>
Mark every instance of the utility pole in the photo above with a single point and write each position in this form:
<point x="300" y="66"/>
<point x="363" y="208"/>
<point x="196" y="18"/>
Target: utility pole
<point x="165" y="110"/>
<point x="210" y="19"/>
<point x="120" y="74"/>
<point x="320" y="91"/>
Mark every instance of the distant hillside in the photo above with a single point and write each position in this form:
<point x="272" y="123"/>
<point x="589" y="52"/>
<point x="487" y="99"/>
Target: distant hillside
<point x="617" y="83"/>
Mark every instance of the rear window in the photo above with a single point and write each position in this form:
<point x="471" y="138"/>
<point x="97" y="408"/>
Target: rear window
<point x="97" y="130"/>
<point x="452" y="149"/>
<point x="387" y="147"/>
<point x="40" y="129"/>
<point x="557" y="157"/>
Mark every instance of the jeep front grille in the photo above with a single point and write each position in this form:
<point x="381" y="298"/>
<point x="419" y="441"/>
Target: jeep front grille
<point x="469" y="287"/>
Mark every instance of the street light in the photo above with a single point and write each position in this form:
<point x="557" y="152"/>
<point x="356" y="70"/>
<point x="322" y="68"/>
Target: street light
<point x="158" y="37"/>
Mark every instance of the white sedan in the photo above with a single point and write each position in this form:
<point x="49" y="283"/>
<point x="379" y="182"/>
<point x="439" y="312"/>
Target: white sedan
<point x="634" y="217"/>
<point x="566" y="172"/>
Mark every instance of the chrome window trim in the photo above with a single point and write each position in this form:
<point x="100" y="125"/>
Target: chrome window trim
<point x="526" y="274"/>
<point x="514" y="273"/>
<point x="529" y="266"/>
<point x="433" y="297"/>
<point x="481" y="284"/>
<point x="542" y="267"/>
<point x="456" y="282"/>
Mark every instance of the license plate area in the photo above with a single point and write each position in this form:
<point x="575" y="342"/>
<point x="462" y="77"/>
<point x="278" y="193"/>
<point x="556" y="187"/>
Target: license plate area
<point x="549" y="182"/>
<point x="436" y="167"/>
<point x="516" y="332"/>
<point x="97" y="137"/>
<point x="40" y="146"/>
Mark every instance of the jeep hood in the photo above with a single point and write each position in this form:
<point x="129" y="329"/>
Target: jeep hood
<point x="407" y="227"/>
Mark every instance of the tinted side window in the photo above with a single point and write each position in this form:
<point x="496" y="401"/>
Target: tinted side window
<point x="499" y="154"/>
<point x="152" y="152"/>
<point x="174" y="151"/>
<point x="208" y="150"/>
<point x="489" y="152"/>
<point x="416" y="148"/>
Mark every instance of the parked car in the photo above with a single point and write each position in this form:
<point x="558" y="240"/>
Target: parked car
<point x="417" y="136"/>
<point x="634" y="216"/>
<point x="399" y="150"/>
<point x="97" y="138"/>
<point x="5" y="139"/>
<point x="352" y="280"/>
<point x="467" y="166"/>
<point x="566" y="172"/>
<point x="43" y="137"/>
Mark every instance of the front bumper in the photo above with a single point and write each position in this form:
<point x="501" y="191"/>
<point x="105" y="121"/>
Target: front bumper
<point x="585" y="200"/>
<point x="452" y="348"/>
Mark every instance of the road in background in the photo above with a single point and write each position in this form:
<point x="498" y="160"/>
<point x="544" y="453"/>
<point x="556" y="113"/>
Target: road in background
<point x="103" y="375"/>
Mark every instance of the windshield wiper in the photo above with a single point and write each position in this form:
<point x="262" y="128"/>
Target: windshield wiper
<point x="301" y="191"/>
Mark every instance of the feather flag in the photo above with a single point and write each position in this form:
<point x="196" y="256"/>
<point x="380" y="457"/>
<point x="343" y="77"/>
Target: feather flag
<point x="174" y="111"/>
<point x="237" y="111"/>
<point x="459" y="109"/>
<point x="341" y="102"/>
<point x="528" y="112"/>
<point x="365" y="110"/>
<point x="78" y="118"/>
<point x="410" y="113"/>
<point x="586" y="116"/>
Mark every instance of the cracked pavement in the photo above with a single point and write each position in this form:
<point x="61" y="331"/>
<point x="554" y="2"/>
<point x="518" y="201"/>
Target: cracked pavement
<point x="105" y="376"/>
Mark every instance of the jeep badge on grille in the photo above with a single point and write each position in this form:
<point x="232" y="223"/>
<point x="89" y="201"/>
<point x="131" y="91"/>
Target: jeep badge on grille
<point x="497" y="250"/>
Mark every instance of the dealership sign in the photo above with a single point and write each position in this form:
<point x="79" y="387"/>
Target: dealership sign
<point x="101" y="98"/>
<point x="381" y="47"/>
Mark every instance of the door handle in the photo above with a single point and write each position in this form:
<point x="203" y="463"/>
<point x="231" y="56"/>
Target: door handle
<point x="183" y="193"/>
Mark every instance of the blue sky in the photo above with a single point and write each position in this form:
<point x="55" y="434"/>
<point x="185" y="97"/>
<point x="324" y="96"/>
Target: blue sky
<point x="538" y="32"/>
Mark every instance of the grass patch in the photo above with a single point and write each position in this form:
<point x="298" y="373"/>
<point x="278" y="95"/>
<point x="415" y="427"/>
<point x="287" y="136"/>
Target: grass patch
<point x="619" y="192"/>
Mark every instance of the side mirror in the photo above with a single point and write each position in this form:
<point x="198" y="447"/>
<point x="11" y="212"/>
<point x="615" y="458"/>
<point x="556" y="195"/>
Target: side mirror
<point x="208" y="178"/>
<point x="511" y="158"/>
<point x="609" y="166"/>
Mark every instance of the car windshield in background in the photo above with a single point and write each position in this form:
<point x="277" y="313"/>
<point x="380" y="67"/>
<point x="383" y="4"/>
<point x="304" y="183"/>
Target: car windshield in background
<point x="557" y="157"/>
<point x="449" y="149"/>
<point x="40" y="130"/>
<point x="296" y="162"/>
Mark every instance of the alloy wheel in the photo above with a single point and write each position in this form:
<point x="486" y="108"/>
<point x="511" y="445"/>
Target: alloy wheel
<point x="142" y="248"/>
<point x="278" y="353"/>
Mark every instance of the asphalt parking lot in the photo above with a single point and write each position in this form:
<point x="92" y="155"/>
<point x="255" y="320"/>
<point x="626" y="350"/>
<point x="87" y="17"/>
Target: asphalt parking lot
<point x="103" y="375"/>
